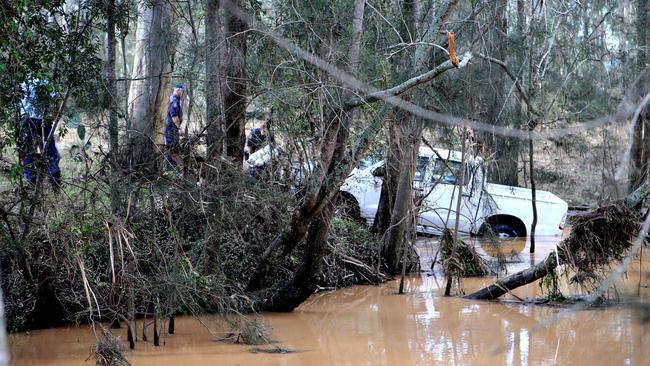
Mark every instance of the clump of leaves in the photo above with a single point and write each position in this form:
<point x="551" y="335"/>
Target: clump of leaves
<point x="465" y="262"/>
<point x="550" y="285"/>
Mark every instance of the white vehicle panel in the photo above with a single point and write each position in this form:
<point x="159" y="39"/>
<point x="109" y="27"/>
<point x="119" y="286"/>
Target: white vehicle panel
<point x="435" y="178"/>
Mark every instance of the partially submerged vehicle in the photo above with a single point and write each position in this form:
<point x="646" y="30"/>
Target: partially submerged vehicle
<point x="485" y="207"/>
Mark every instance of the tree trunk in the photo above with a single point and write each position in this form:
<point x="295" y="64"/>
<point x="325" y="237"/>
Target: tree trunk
<point x="305" y="280"/>
<point x="214" y="47"/>
<point x="392" y="168"/>
<point x="506" y="149"/>
<point x="395" y="152"/>
<point x="392" y="247"/>
<point x="516" y="280"/>
<point x="234" y="87"/>
<point x="111" y="93"/>
<point x="533" y="191"/>
<point x="640" y="150"/>
<point x="336" y="165"/>
<point x="333" y="150"/>
<point x="636" y="156"/>
<point x="125" y="76"/>
<point x="151" y="75"/>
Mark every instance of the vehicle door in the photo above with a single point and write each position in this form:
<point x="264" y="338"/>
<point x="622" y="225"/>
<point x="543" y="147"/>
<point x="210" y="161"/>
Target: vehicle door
<point x="365" y="184"/>
<point x="438" y="209"/>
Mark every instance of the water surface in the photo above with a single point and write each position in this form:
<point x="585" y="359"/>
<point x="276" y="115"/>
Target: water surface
<point x="373" y="325"/>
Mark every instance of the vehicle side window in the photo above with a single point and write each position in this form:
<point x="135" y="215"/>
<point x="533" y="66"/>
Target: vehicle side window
<point x="446" y="172"/>
<point x="421" y="168"/>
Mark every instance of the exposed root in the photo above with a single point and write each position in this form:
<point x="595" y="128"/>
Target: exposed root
<point x="598" y="240"/>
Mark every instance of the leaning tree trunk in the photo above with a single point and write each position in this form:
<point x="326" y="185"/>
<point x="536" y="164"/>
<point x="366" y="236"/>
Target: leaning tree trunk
<point x="534" y="273"/>
<point x="151" y="74"/>
<point x="234" y="87"/>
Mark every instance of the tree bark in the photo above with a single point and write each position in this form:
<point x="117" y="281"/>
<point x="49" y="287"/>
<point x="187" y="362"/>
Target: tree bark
<point x="111" y="92"/>
<point x="506" y="149"/>
<point x="516" y="280"/>
<point x="234" y="86"/>
<point x="148" y="93"/>
<point x="395" y="152"/>
<point x="305" y="281"/>
<point x="393" y="246"/>
<point x="214" y="48"/>
<point x="533" y="190"/>
<point x="392" y="167"/>
<point x="640" y="150"/>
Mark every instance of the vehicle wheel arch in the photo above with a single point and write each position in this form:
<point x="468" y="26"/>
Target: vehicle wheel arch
<point x="495" y="223"/>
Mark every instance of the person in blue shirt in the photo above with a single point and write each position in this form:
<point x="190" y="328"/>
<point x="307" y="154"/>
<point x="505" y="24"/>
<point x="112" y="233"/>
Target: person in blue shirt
<point x="173" y="121"/>
<point x="256" y="139"/>
<point x="35" y="106"/>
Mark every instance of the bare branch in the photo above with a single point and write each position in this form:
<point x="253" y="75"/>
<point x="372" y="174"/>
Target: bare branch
<point x="408" y="84"/>
<point x="515" y="79"/>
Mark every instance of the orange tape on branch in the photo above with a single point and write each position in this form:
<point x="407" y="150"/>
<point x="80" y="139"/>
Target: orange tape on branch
<point x="452" y="53"/>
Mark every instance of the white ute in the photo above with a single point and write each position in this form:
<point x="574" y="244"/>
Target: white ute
<point x="506" y="210"/>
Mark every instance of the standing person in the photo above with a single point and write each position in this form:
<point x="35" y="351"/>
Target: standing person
<point x="173" y="121"/>
<point x="256" y="139"/>
<point x="35" y="127"/>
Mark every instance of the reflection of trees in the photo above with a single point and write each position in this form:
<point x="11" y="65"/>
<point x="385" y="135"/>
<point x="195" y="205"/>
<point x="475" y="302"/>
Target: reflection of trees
<point x="374" y="325"/>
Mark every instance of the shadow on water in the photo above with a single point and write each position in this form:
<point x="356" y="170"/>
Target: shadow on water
<point x="372" y="325"/>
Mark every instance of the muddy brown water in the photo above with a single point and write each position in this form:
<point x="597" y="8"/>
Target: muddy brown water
<point x="373" y="325"/>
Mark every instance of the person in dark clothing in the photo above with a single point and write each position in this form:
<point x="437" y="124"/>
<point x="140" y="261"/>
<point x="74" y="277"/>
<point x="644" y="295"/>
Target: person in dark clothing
<point x="256" y="139"/>
<point x="173" y="122"/>
<point x="35" y="129"/>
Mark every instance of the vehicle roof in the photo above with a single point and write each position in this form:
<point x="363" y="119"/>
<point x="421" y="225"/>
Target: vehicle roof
<point x="450" y="155"/>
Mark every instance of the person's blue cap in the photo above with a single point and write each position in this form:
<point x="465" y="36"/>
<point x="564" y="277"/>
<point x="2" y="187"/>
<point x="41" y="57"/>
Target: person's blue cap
<point x="179" y="86"/>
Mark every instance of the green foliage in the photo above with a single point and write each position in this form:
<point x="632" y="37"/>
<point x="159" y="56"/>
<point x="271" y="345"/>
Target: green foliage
<point x="41" y="39"/>
<point x="550" y="285"/>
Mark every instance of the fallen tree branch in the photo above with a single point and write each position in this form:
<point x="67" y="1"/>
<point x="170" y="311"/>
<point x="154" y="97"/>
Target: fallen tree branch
<point x="408" y="84"/>
<point x="519" y="279"/>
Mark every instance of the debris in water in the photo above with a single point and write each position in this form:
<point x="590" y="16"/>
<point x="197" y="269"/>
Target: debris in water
<point x="274" y="350"/>
<point x="109" y="351"/>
